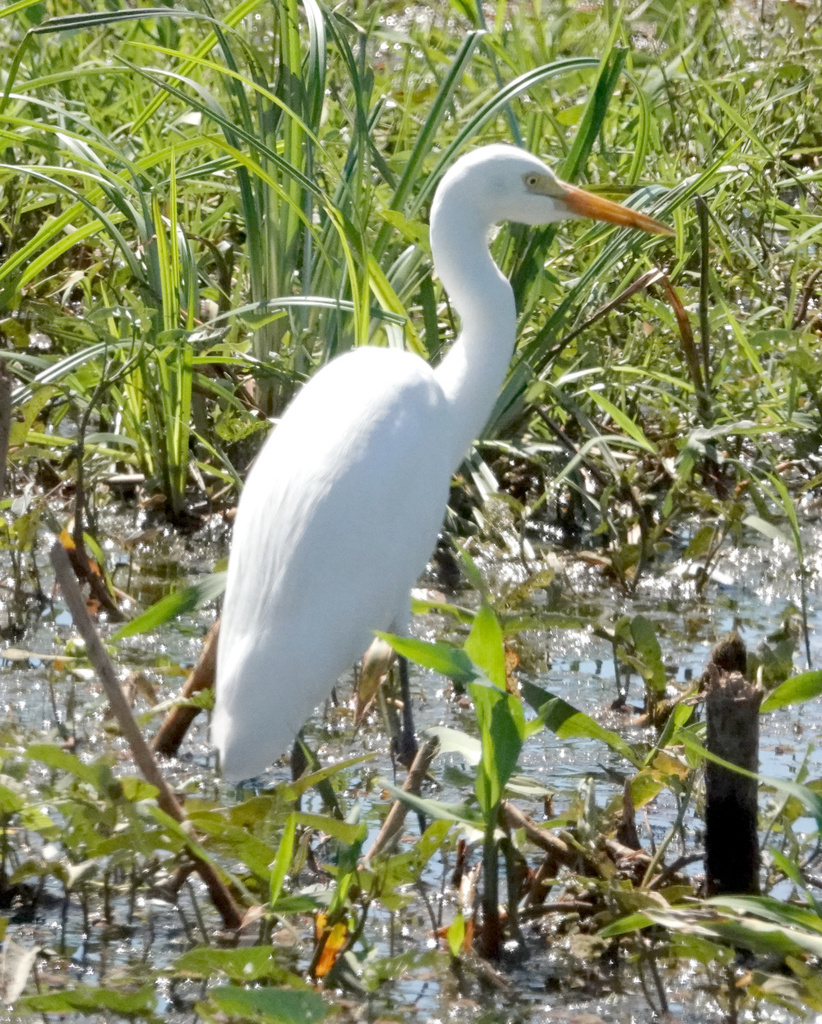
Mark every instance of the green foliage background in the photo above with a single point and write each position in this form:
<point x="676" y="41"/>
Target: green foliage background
<point x="200" y="205"/>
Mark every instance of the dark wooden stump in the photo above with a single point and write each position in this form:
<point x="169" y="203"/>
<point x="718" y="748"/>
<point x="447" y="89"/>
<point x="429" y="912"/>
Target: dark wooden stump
<point x="732" y="857"/>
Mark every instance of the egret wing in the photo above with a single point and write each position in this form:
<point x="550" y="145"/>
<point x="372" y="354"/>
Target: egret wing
<point x="337" y="519"/>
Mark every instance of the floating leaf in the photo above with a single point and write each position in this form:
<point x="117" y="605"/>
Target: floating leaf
<point x="248" y="964"/>
<point x="269" y="1006"/>
<point x="85" y="998"/>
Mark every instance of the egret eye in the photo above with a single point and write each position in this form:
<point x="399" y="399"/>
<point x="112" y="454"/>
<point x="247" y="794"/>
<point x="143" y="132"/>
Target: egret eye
<point x="532" y="180"/>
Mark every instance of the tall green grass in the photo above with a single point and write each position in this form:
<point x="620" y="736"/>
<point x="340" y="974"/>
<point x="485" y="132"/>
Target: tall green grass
<point x="203" y="205"/>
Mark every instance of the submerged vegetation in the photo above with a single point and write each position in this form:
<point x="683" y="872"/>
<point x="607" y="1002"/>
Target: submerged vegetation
<point x="203" y="203"/>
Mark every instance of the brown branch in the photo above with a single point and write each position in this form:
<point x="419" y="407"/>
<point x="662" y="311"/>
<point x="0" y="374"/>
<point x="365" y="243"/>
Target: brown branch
<point x="564" y="853"/>
<point x="79" y="556"/>
<point x="5" y="424"/>
<point x="645" y="280"/>
<point x="803" y="301"/>
<point x="140" y="750"/>
<point x="396" y="816"/>
<point x="178" y="720"/>
<point x="582" y="907"/>
<point x="674" y="869"/>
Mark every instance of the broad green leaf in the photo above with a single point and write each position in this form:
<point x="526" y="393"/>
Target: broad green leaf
<point x="10" y="802"/>
<point x="98" y="775"/>
<point x="502" y="730"/>
<point x="135" y="789"/>
<point x="745" y="931"/>
<point x="438" y="810"/>
<point x="181" y="602"/>
<point x="442" y="658"/>
<point x="76" y="873"/>
<point x="282" y="862"/>
<point x="471" y="569"/>
<point x="763" y="937"/>
<point x="348" y="832"/>
<point x="295" y="789"/>
<point x="456" y="935"/>
<point x="810" y="800"/>
<point x="769" y="530"/>
<point x="645" y="639"/>
<point x="563" y="719"/>
<point x="645" y="786"/>
<point x="700" y="543"/>
<point x="423" y="606"/>
<point x="625" y="925"/>
<point x="796" y="690"/>
<point x="256" y="855"/>
<point x="528" y="789"/>
<point x="677" y="719"/>
<point x="790" y="868"/>
<point x="429" y="842"/>
<point x="770" y="909"/>
<point x="485" y="647"/>
<point x="454" y="741"/>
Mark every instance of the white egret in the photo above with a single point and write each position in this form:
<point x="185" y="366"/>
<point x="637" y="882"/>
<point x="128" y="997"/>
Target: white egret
<point x="342" y="508"/>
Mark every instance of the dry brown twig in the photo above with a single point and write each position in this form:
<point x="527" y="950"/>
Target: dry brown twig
<point x="176" y="723"/>
<point x="5" y="424"/>
<point x="396" y="816"/>
<point x="143" y="757"/>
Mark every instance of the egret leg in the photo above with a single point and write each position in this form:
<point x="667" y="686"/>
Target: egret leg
<point x="404" y="745"/>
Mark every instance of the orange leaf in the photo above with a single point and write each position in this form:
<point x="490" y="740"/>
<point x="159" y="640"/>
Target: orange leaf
<point x="333" y="940"/>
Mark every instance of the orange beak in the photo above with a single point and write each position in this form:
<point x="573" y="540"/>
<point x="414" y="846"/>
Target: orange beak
<point x="586" y="204"/>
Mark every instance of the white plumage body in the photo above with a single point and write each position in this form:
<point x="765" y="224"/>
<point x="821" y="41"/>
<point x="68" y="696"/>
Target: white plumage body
<point x="324" y="582"/>
<point x="342" y="508"/>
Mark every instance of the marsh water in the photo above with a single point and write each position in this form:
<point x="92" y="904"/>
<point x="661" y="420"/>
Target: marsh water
<point x="754" y="588"/>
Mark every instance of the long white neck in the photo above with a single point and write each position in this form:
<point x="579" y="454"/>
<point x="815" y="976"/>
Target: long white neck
<point x="473" y="372"/>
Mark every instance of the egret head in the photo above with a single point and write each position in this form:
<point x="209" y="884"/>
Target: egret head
<point x="508" y="183"/>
